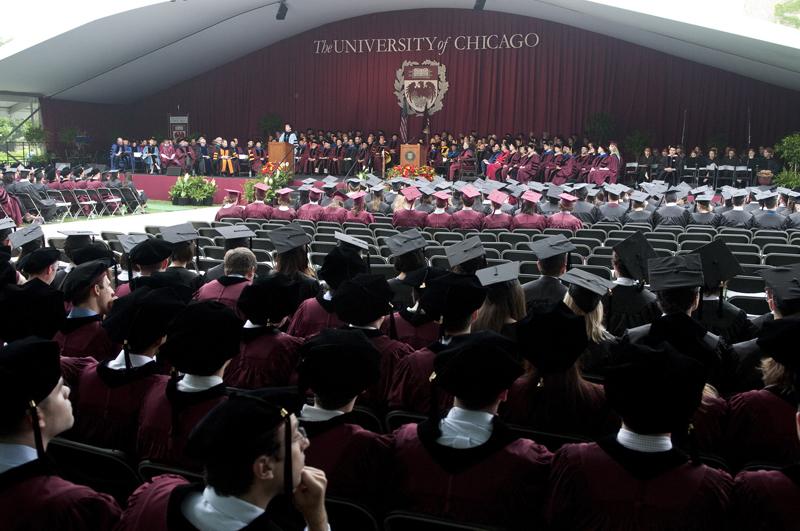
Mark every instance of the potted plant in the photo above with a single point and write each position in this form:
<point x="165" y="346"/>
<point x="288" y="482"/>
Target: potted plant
<point x="179" y="192"/>
<point x="789" y="150"/>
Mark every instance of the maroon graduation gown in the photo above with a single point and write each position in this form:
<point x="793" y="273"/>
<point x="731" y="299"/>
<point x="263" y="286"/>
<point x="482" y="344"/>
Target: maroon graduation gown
<point x="766" y="500"/>
<point x="225" y="290"/>
<point x="528" y="169"/>
<point x="32" y="497"/>
<point x="85" y="336"/>
<point x="258" y="211"/>
<point x="709" y="423"/>
<point x="501" y="483"/>
<point x="267" y="357"/>
<point x="333" y="213"/>
<point x="529" y="221"/>
<point x="309" y="211"/>
<point x="107" y="404"/>
<point x="351" y="457"/>
<point x="288" y="215"/>
<point x="312" y="317"/>
<point x="409" y="218"/>
<point x="564" y="220"/>
<point x="497" y="221"/>
<point x="392" y="351"/>
<point x="605" y="486"/>
<point x="362" y="217"/>
<point x="761" y="427"/>
<point x="71" y="369"/>
<point x="232" y="211"/>
<point x="590" y="417"/>
<point x="567" y="172"/>
<point x="439" y="221"/>
<point x="168" y="416"/>
<point x="414" y="330"/>
<point x="467" y="218"/>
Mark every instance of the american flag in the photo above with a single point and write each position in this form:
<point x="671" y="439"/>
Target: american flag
<point x="404" y="122"/>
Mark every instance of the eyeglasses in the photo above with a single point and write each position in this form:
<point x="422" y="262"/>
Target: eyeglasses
<point x="301" y="435"/>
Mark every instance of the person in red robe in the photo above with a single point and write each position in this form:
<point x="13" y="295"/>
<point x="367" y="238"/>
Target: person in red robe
<point x="230" y="206"/>
<point x="200" y="342"/>
<point x="339" y="365"/>
<point x="317" y="313"/>
<point x="494" y="167"/>
<point x="312" y="210"/>
<point x="604" y="167"/>
<point x="528" y="167"/>
<point x="284" y="209"/>
<point x="408" y="216"/>
<point x="36" y="408"/>
<point x="258" y="209"/>
<point x="497" y="219"/>
<point x="359" y="213"/>
<point x="564" y="219"/>
<point x="567" y="168"/>
<point x="324" y="157"/>
<point x="761" y="425"/>
<point x="655" y="390"/>
<point x="363" y="302"/>
<point x="463" y="160"/>
<point x="468" y="217"/>
<point x="584" y="161"/>
<point x="110" y="393"/>
<point x="89" y="290"/>
<point x="475" y="469"/>
<point x="451" y="300"/>
<point x="267" y="356"/>
<point x="239" y="269"/>
<point x="527" y="217"/>
<point x="511" y="165"/>
<point x="335" y="210"/>
<point x="239" y="437"/>
<point x="440" y="218"/>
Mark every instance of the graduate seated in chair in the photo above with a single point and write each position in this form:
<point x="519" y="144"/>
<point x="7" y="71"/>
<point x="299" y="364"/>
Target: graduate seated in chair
<point x="36" y="408"/>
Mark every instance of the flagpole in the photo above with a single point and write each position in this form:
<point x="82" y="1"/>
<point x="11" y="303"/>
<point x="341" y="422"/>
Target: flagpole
<point x="683" y="129"/>
<point x="749" y="142"/>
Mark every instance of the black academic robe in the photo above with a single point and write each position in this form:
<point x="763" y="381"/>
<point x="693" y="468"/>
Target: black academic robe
<point x="501" y="482"/>
<point x="610" y="212"/>
<point x="403" y="293"/>
<point x="712" y="219"/>
<point x="32" y="497"/>
<point x="766" y="500"/>
<point x="729" y="322"/>
<point x="38" y="310"/>
<point x="671" y="215"/>
<point x="770" y="219"/>
<point x="584" y="211"/>
<point x="605" y="486"/>
<point x="638" y="216"/>
<point x="746" y="362"/>
<point x="737" y="218"/>
<point x="544" y="290"/>
<point x="629" y="307"/>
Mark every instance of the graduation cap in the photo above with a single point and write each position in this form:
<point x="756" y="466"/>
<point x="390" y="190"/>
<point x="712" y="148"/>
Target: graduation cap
<point x="269" y="299"/>
<point x="740" y="192"/>
<point x="536" y="186"/>
<point x="353" y="180"/>
<point x="236" y="232"/>
<point x="778" y="340"/>
<point x="551" y="246"/>
<point x="342" y="263"/>
<point x="763" y="196"/>
<point x="363" y="299"/>
<point x="233" y="194"/>
<point x="329" y="186"/>
<point x="129" y="241"/>
<point x="357" y="196"/>
<point x="330" y="179"/>
<point x="338" y="364"/>
<point x="7" y="223"/>
<point x="411" y="193"/>
<point x="443" y="185"/>
<point x="653" y="388"/>
<point x="202" y="338"/>
<point x="309" y="181"/>
<point x="531" y="197"/>
<point x="377" y="189"/>
<point x="284" y="191"/>
<point x="83" y="276"/>
<point x="498" y="197"/>
<point x="477" y="368"/>
<point x="261" y="187"/>
<point x="719" y="264"/>
<point x="552" y="337"/>
<point x="452" y="296"/>
<point x="78" y="238"/>
<point x="639" y="197"/>
<point x="185" y="232"/>
<point x="38" y="260"/>
<point x="350" y="240"/>
<point x="586" y="289"/>
<point x="497" y="274"/>
<point x="406" y="242"/>
<point x="470" y="192"/>
<point x="150" y="252"/>
<point x="25" y="235"/>
<point x="30" y="369"/>
<point x="374" y="180"/>
<point x="554" y="192"/>
<point x="704" y="198"/>
<point x="460" y="252"/>
<point x="568" y="198"/>
<point x="442" y="196"/>
<point x="289" y="237"/>
<point x="671" y="272"/>
<point x="634" y="252"/>
<point x="784" y="282"/>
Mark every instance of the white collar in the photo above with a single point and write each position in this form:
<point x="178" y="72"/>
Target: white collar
<point x="192" y="383"/>
<point x="438" y="211"/>
<point x="643" y="443"/>
<point x="464" y="428"/>
<point x="318" y="414"/>
<point x="738" y="207"/>
<point x="137" y="360"/>
<point x="328" y="296"/>
<point x="362" y="327"/>
<point x="283" y="207"/>
<point x="710" y="297"/>
<point x="251" y="324"/>
<point x="211" y="512"/>
<point x="624" y="281"/>
<point x="14" y="455"/>
<point x="313" y="202"/>
<point x="498" y="211"/>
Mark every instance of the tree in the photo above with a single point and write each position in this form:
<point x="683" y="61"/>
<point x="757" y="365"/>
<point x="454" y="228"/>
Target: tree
<point x="270" y="124"/>
<point x="789" y="151"/>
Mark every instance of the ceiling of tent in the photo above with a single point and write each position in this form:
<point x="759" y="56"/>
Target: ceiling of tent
<point x="126" y="56"/>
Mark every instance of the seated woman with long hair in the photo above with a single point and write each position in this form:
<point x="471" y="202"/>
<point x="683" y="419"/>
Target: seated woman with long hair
<point x="505" y="300"/>
<point x="294" y="264"/>
<point x="359" y="213"/>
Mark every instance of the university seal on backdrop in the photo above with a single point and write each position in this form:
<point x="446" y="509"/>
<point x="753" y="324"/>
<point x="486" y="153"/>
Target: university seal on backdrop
<point x="422" y="86"/>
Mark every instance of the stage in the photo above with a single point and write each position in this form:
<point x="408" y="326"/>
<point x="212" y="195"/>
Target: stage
<point x="157" y="186"/>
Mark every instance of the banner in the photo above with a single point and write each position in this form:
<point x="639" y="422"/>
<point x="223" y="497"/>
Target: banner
<point x="178" y="127"/>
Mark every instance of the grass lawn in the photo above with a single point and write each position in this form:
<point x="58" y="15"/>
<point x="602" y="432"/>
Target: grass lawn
<point x="154" y="206"/>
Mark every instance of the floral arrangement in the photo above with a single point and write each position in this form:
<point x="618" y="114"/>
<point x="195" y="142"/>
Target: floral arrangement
<point x="275" y="176"/>
<point x="409" y="170"/>
<point x="193" y="189"/>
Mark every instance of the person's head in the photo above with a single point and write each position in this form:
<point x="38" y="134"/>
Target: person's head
<point x="35" y="400"/>
<point x="363" y="300"/>
<point x="140" y="319"/>
<point x="552" y="338"/>
<point x="783" y="294"/>
<point x="341" y="264"/>
<point x="553" y="266"/>
<point x="672" y="151"/>
<point x="240" y="261"/>
<point x="269" y="300"/>
<point x="452" y="299"/>
<point x="88" y="286"/>
<point x="768" y="153"/>
<point x="504" y="304"/>
<point x="648" y="151"/>
<point x="151" y="255"/>
<point x="676" y="281"/>
<point x="183" y="253"/>
<point x="41" y="263"/>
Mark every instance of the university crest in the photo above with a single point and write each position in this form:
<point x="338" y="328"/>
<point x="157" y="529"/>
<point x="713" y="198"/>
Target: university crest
<point x="422" y="86"/>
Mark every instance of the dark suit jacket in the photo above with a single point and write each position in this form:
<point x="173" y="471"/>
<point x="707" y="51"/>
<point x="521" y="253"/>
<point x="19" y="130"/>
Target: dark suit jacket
<point x="543" y="290"/>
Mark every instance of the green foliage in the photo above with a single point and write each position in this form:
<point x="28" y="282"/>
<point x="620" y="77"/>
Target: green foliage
<point x="788" y="13"/>
<point x="249" y="192"/>
<point x="34" y="134"/>
<point x="6" y="126"/>
<point x="789" y="151"/>
<point x="635" y="143"/>
<point x="67" y="135"/>
<point x="195" y="187"/>
<point x="40" y="160"/>
<point x="269" y="124"/>
<point x="600" y="127"/>
<point x="789" y="179"/>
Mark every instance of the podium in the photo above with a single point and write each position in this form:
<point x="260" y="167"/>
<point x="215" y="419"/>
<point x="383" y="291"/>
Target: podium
<point x="411" y="154"/>
<point x="281" y="152"/>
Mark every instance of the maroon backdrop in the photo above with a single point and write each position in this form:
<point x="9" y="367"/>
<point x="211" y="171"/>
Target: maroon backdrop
<point x="553" y="87"/>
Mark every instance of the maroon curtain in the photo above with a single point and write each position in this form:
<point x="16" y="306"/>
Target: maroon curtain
<point x="555" y="86"/>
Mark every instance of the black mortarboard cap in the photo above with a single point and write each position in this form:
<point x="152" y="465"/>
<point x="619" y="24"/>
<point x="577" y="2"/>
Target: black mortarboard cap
<point x="784" y="282"/>
<point x="346" y="239"/>
<point x="235" y="232"/>
<point x="38" y="311"/>
<point x="363" y="299"/>
<point x="7" y="223"/>
<point x="406" y="242"/>
<point x="25" y="235"/>
<point x="452" y="296"/>
<point x="634" y="252"/>
<point x="639" y="197"/>
<point x="719" y="263"/>
<point x="289" y="237"/>
<point x="586" y="289"/>
<point x="202" y="338"/>
<point x="38" y="260"/>
<point x="93" y="251"/>
<point x="83" y="276"/>
<point x="340" y="264"/>
<point x="552" y="337"/>
<point x="778" y="340"/>
<point x="460" y="252"/>
<point x="551" y="246"/>
<point x="30" y="369"/>
<point x="499" y="273"/>
<point x="269" y="298"/>
<point x="185" y="232"/>
<point x="150" y="252"/>
<point x="129" y="241"/>
<point x="338" y="364"/>
<point x="478" y="367"/>
<point x="671" y="272"/>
